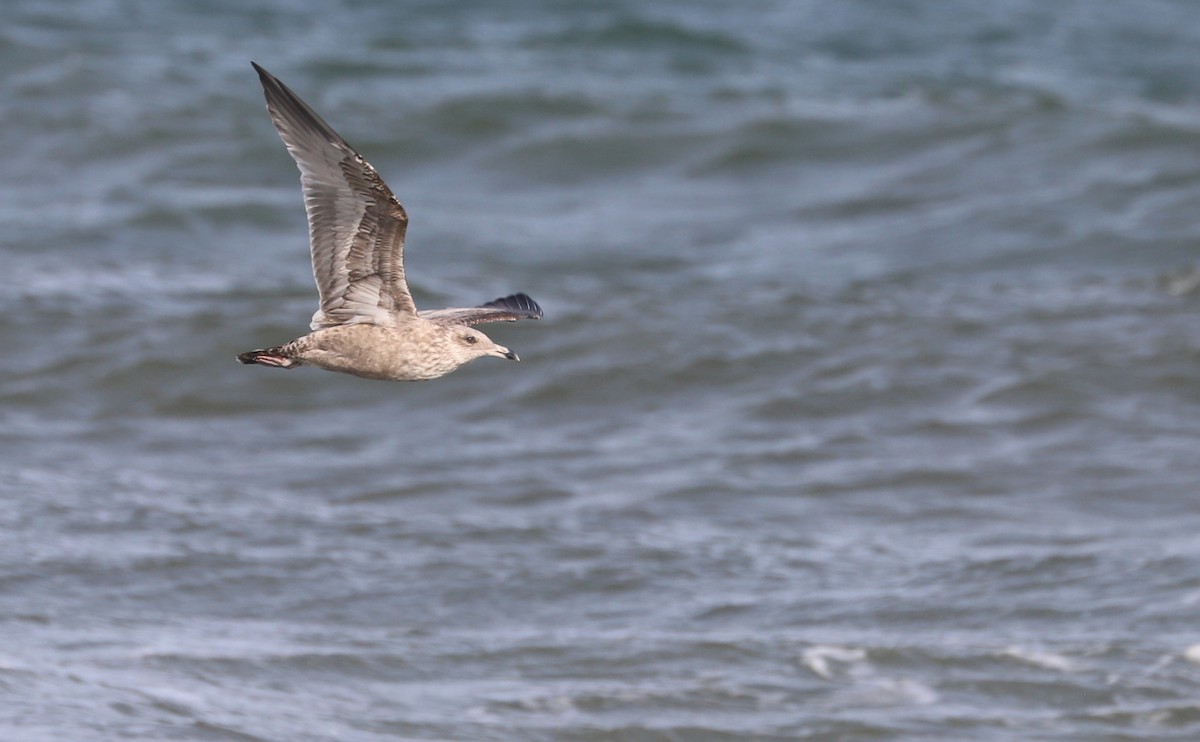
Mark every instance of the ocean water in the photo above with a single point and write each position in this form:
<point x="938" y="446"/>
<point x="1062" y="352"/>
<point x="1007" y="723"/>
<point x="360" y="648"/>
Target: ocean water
<point x="865" y="406"/>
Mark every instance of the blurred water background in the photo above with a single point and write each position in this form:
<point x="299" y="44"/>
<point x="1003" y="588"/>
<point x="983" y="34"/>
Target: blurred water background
<point x="862" y="409"/>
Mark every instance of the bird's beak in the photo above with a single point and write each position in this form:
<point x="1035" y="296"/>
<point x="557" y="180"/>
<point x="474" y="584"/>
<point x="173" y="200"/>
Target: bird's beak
<point x="503" y="352"/>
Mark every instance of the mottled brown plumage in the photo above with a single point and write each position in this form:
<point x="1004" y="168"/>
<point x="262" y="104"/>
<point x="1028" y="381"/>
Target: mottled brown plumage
<point x="367" y="324"/>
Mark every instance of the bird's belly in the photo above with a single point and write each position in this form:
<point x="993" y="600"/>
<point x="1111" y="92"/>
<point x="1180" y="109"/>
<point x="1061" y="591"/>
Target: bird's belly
<point x="374" y="352"/>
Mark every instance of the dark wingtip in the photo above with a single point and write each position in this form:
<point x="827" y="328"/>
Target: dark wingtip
<point x="266" y="78"/>
<point x="521" y="304"/>
<point x="285" y="105"/>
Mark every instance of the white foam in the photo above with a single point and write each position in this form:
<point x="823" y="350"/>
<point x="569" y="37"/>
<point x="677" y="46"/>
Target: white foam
<point x="1192" y="654"/>
<point x="1047" y="660"/>
<point x="819" y="657"/>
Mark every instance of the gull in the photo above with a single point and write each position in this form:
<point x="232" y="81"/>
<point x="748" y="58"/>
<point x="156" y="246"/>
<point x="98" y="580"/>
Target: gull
<point x="367" y="324"/>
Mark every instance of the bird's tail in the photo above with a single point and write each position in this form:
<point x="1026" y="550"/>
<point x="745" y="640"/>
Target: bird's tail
<point x="268" y="357"/>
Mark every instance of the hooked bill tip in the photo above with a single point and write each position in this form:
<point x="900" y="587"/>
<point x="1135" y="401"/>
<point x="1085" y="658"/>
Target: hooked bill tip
<point x="511" y="356"/>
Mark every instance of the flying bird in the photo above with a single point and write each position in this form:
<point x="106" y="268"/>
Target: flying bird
<point x="367" y="324"/>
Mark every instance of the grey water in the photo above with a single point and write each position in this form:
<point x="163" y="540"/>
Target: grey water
<point x="866" y="404"/>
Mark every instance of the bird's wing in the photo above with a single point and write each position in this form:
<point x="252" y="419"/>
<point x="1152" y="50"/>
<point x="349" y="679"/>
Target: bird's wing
<point x="355" y="225"/>
<point x="505" y="309"/>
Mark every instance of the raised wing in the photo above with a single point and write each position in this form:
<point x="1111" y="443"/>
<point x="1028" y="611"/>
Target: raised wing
<point x="505" y="309"/>
<point x="355" y="225"/>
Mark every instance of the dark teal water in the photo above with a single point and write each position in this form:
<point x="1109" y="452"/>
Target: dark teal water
<point x="865" y="405"/>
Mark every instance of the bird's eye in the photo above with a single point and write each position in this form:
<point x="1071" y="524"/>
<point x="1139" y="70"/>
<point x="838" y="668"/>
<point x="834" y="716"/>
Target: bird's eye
<point x="472" y="339"/>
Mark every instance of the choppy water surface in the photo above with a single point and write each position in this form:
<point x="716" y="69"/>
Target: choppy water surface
<point x="862" y="408"/>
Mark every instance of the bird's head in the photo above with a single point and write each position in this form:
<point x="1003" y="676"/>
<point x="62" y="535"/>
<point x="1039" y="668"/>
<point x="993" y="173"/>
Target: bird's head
<point x="469" y="343"/>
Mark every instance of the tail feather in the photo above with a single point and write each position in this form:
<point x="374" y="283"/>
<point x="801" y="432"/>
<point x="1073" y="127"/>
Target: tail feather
<point x="268" y="357"/>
